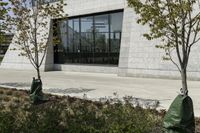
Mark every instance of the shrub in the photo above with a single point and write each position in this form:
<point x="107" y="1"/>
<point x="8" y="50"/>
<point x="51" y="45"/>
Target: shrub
<point x="73" y="115"/>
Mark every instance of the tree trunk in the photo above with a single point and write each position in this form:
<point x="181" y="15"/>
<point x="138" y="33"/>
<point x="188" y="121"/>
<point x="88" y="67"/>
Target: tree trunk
<point x="184" y="81"/>
<point x="38" y="73"/>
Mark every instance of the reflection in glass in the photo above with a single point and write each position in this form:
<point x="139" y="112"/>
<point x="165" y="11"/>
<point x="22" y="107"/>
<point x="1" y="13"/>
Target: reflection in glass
<point x="101" y="48"/>
<point x="102" y="40"/>
<point x="76" y="26"/>
<point x="70" y="36"/>
<point x="63" y="32"/>
<point x="116" y="22"/>
<point x="87" y="24"/>
<point x="115" y="39"/>
<point x="115" y="42"/>
<point x="101" y="23"/>
<point x="86" y="42"/>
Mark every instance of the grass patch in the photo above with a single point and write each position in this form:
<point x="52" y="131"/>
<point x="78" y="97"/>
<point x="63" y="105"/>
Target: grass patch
<point x="73" y="115"/>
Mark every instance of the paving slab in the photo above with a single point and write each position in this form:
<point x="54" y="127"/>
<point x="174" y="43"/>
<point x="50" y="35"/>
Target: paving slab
<point x="97" y="85"/>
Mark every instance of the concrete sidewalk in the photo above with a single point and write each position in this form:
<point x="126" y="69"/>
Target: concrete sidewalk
<point x="96" y="85"/>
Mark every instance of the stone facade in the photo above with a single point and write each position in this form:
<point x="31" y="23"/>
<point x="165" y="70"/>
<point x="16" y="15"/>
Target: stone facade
<point x="138" y="56"/>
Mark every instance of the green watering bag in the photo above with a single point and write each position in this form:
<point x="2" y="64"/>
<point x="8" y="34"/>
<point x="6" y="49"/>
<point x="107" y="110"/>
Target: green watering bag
<point x="36" y="94"/>
<point x="180" y="116"/>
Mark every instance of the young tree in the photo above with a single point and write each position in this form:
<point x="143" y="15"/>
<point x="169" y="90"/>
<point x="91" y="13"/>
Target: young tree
<point x="176" y="23"/>
<point x="3" y="12"/>
<point x="31" y="22"/>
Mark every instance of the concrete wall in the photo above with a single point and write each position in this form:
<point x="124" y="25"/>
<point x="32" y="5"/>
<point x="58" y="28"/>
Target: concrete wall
<point x="140" y="58"/>
<point x="82" y="7"/>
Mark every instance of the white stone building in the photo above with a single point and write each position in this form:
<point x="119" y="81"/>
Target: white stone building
<point x="103" y="36"/>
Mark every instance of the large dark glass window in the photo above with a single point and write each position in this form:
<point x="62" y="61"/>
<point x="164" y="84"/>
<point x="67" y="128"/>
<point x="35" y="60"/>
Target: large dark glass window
<point x="93" y="39"/>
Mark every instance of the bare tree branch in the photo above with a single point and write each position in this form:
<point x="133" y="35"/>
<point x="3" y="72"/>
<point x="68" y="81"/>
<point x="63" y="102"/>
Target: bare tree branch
<point x="169" y="51"/>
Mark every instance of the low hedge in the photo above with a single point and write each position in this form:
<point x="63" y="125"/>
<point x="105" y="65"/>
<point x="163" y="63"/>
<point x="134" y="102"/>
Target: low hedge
<point x="73" y="115"/>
